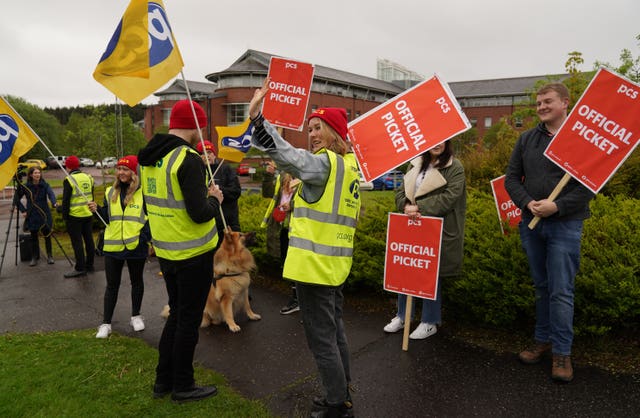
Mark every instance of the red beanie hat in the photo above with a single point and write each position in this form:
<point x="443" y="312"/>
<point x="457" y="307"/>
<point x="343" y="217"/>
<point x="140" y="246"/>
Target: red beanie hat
<point x="207" y="145"/>
<point x="336" y="117"/>
<point x="182" y="116"/>
<point x="72" y="162"/>
<point x="129" y="161"/>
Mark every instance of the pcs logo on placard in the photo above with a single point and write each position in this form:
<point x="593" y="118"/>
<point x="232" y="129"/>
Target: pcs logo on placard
<point x="8" y="135"/>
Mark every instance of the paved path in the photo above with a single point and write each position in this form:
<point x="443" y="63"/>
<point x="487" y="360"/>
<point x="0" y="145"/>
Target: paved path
<point x="268" y="360"/>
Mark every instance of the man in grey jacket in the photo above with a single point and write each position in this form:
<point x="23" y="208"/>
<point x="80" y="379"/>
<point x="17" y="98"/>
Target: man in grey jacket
<point x="553" y="246"/>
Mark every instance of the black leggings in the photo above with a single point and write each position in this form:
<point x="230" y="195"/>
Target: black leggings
<point x="35" y="244"/>
<point x="113" y="271"/>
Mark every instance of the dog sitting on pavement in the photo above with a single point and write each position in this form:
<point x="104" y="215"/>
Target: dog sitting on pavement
<point x="232" y="267"/>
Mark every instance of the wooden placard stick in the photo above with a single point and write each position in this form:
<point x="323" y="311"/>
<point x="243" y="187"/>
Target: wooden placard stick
<point x="554" y="194"/>
<point x="407" y="324"/>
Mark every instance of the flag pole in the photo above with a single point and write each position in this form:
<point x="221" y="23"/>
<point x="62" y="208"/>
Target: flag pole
<point x="195" y="118"/>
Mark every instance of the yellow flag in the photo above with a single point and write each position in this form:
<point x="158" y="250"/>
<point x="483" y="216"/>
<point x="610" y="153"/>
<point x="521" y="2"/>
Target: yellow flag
<point x="234" y="141"/>
<point x="142" y="54"/>
<point x="16" y="138"/>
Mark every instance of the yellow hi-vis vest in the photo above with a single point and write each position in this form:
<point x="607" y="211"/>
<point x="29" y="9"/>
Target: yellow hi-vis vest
<point x="123" y="231"/>
<point x="78" y="204"/>
<point x="175" y="235"/>
<point x="273" y="203"/>
<point x="321" y="233"/>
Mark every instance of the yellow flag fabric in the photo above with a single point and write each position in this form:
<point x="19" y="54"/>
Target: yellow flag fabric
<point x="234" y="141"/>
<point x="142" y="54"/>
<point x="16" y="138"/>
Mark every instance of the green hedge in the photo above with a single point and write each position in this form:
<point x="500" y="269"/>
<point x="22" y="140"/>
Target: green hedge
<point x="495" y="288"/>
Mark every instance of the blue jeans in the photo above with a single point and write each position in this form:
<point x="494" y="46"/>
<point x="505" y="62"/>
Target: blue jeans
<point x="321" y="309"/>
<point x="431" y="309"/>
<point x="553" y="250"/>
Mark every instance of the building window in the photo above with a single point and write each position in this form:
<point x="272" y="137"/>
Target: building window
<point x="473" y="122"/>
<point x="314" y="108"/>
<point x="237" y="113"/>
<point x="166" y="114"/>
<point x="348" y="114"/>
<point x="487" y="122"/>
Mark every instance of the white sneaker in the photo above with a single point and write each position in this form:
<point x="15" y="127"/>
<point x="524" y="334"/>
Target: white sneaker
<point x="137" y="323"/>
<point x="103" y="331"/>
<point x="423" y="331"/>
<point x="395" y="325"/>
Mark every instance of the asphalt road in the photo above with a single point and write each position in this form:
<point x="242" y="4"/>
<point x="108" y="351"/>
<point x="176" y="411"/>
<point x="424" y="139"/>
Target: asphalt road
<point x="269" y="360"/>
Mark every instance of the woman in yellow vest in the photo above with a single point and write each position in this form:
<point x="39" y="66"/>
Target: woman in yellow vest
<point x="281" y="190"/>
<point x="321" y="234"/>
<point x="126" y="239"/>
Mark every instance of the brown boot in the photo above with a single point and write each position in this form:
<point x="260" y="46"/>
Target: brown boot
<point x="562" y="369"/>
<point x="533" y="354"/>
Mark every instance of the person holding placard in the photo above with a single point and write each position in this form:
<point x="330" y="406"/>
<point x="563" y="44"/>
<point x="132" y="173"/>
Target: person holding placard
<point x="553" y="246"/>
<point x="321" y="234"/>
<point x="435" y="185"/>
<point x="280" y="189"/>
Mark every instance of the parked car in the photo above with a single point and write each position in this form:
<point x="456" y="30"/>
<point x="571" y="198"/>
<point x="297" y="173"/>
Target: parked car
<point x="389" y="181"/>
<point x="243" y="169"/>
<point x="56" y="161"/>
<point x="32" y="163"/>
<point x="108" y="162"/>
<point x="365" y="185"/>
<point x="86" y="162"/>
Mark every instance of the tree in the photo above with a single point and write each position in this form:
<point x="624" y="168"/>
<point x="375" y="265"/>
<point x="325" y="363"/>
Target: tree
<point x="46" y="126"/>
<point x="629" y="67"/>
<point x="94" y="135"/>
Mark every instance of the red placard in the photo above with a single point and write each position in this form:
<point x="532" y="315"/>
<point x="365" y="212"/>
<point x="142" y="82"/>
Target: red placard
<point x="406" y="126"/>
<point x="412" y="259"/>
<point x="507" y="210"/>
<point x="286" y="102"/>
<point x="601" y="131"/>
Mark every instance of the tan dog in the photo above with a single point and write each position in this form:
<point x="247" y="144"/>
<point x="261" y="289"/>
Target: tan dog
<point x="232" y="266"/>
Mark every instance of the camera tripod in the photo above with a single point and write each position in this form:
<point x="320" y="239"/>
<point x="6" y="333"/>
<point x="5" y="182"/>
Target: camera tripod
<point x="15" y="208"/>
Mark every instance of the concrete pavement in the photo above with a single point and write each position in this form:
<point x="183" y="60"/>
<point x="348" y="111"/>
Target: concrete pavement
<point x="269" y="360"/>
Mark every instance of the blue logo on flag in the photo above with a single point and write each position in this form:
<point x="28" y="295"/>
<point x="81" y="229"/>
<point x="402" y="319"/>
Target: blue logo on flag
<point x="160" y="37"/>
<point x="8" y="135"/>
<point x="241" y="143"/>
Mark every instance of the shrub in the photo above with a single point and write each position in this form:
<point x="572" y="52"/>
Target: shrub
<point x="495" y="288"/>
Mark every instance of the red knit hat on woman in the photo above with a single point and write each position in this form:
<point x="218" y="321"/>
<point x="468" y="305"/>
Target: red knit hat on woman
<point x="129" y="161"/>
<point x="208" y="145"/>
<point x="336" y="117"/>
<point x="182" y="116"/>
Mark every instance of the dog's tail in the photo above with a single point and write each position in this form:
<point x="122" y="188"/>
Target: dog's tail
<point x="165" y="312"/>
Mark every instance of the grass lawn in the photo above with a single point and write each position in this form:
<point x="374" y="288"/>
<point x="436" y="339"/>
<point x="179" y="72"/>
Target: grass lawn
<point x="73" y="374"/>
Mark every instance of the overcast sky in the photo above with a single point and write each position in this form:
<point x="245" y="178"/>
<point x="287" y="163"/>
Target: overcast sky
<point x="49" y="49"/>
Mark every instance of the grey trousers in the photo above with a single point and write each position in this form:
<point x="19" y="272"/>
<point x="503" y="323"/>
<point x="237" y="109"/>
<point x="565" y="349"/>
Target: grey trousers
<point x="321" y="309"/>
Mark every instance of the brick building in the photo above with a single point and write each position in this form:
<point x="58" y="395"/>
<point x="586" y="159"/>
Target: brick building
<point x="225" y="97"/>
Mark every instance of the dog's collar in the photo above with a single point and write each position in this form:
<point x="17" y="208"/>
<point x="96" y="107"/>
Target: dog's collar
<point x="222" y="276"/>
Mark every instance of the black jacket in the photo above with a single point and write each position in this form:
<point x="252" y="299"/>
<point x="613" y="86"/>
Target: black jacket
<point x="532" y="176"/>
<point x="227" y="180"/>
<point x="191" y="176"/>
